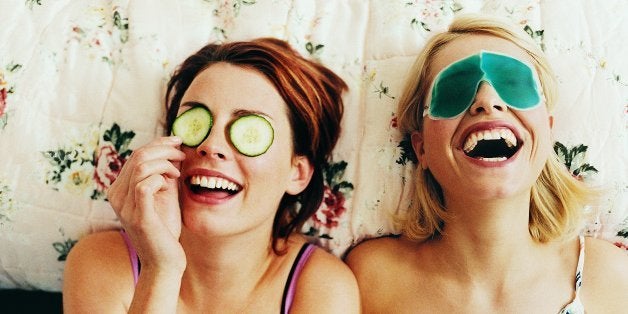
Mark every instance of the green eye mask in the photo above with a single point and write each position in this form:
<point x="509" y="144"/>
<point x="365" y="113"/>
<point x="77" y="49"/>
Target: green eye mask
<point x="455" y="86"/>
<point x="250" y="134"/>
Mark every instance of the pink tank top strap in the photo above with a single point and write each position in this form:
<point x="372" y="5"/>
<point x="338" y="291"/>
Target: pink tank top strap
<point x="289" y="291"/>
<point x="135" y="265"/>
<point x="291" y="283"/>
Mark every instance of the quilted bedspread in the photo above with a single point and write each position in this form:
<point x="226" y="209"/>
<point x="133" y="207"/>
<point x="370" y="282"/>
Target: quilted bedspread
<point x="82" y="83"/>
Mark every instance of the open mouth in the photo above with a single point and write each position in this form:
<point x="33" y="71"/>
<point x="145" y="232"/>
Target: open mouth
<point x="217" y="186"/>
<point x="491" y="145"/>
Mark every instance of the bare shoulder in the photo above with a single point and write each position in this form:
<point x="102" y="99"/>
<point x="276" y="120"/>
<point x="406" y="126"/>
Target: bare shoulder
<point x="367" y="258"/>
<point x="374" y="251"/>
<point x="327" y="285"/>
<point x="97" y="274"/>
<point x="379" y="266"/>
<point x="603" y="259"/>
<point x="605" y="277"/>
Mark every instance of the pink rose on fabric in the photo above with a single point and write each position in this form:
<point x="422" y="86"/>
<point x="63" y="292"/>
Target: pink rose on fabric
<point x="621" y="244"/>
<point x="394" y="123"/>
<point x="331" y="208"/>
<point x="3" y="101"/>
<point x="108" y="166"/>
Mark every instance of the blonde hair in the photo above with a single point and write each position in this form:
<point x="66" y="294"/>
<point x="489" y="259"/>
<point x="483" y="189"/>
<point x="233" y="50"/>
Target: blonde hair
<point x="557" y="197"/>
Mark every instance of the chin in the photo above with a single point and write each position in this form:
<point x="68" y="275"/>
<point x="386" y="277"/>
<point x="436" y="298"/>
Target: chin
<point x="206" y="223"/>
<point x="503" y="193"/>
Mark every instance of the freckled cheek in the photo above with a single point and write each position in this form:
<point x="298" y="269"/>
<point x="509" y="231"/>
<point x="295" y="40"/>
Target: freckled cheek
<point x="270" y="162"/>
<point x="545" y="139"/>
<point x="538" y="123"/>
<point x="538" y="115"/>
<point x="439" y="133"/>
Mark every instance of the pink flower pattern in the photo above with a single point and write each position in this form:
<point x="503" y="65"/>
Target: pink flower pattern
<point x="331" y="209"/>
<point x="6" y="88"/>
<point x="102" y="164"/>
<point x="108" y="166"/>
<point x="621" y="245"/>
<point x="3" y="101"/>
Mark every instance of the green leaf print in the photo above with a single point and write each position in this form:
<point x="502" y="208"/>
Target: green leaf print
<point x="313" y="232"/>
<point x="237" y="5"/>
<point x="383" y="90"/>
<point x="31" y="3"/>
<point x="13" y="67"/>
<point x="407" y="152"/>
<point x="314" y="49"/>
<point x="63" y="247"/>
<point x="122" y="24"/>
<point x="573" y="158"/>
<point x="61" y="160"/>
<point x="7" y="204"/>
<point x="119" y="139"/>
<point x="415" y="23"/>
<point x="333" y="173"/>
<point x="537" y="35"/>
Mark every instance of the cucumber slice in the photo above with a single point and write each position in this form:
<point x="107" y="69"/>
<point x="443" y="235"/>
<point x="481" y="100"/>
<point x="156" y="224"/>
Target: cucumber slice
<point x="251" y="135"/>
<point x="193" y="126"/>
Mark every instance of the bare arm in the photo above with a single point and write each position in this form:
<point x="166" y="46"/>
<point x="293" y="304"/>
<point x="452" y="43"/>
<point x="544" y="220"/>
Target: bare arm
<point x="157" y="291"/>
<point x="97" y="275"/>
<point x="98" y="278"/>
<point x="145" y="198"/>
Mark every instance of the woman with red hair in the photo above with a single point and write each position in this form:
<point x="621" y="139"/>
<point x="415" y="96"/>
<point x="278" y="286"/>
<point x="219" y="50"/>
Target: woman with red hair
<point x="210" y="213"/>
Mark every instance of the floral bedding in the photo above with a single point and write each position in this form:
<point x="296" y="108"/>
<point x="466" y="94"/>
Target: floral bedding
<point x="82" y="83"/>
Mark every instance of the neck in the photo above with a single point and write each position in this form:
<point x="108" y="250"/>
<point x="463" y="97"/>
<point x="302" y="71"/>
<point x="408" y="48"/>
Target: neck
<point x="489" y="221"/>
<point x="488" y="239"/>
<point x="230" y="262"/>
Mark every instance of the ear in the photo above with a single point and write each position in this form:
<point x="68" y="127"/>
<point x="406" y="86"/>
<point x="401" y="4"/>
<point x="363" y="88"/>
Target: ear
<point x="417" y="144"/>
<point x="551" y="121"/>
<point x="302" y="171"/>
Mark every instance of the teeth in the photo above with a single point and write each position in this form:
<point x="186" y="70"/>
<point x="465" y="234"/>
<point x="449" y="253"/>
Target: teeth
<point x="493" y="159"/>
<point x="214" y="183"/>
<point x="496" y="135"/>
<point x="474" y="138"/>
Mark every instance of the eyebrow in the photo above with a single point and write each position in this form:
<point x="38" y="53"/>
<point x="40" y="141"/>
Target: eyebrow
<point x="244" y="112"/>
<point x="237" y="113"/>
<point x="192" y="104"/>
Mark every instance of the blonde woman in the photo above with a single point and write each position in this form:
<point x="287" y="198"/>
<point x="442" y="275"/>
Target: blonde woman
<point x="494" y="228"/>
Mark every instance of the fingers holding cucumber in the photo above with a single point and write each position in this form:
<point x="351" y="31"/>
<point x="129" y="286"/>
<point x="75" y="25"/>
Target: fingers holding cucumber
<point x="145" y="198"/>
<point x="193" y="126"/>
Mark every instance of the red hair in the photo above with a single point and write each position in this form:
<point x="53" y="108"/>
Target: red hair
<point x="313" y="94"/>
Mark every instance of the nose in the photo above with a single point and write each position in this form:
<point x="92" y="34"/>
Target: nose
<point x="487" y="101"/>
<point x="215" y="145"/>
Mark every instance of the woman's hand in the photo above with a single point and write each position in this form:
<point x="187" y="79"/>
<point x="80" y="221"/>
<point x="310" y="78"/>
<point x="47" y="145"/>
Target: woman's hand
<point x="145" y="198"/>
